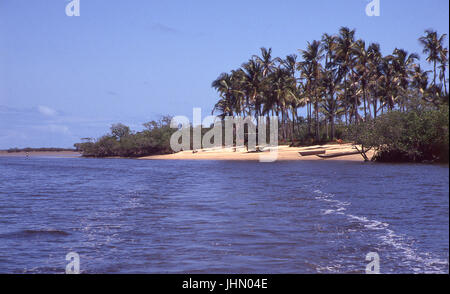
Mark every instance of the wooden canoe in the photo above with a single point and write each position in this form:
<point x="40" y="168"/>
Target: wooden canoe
<point x="309" y="153"/>
<point x="331" y="155"/>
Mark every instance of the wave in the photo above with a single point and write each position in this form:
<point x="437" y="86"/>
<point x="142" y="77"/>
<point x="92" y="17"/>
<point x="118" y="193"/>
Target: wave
<point x="428" y="263"/>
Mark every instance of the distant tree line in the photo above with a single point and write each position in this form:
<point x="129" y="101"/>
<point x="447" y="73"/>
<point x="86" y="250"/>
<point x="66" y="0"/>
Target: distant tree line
<point x="43" y="149"/>
<point x="123" y="142"/>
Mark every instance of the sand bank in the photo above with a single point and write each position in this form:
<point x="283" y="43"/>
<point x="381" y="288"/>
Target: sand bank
<point x="284" y="153"/>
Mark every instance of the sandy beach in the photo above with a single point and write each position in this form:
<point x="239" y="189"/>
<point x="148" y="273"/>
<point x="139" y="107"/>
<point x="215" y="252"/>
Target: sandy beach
<point x="284" y="153"/>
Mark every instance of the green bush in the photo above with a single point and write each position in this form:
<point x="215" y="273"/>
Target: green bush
<point x="125" y="143"/>
<point x="414" y="136"/>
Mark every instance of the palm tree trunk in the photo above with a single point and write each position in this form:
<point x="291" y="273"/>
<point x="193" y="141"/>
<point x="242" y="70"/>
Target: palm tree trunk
<point x="309" y="116"/>
<point x="434" y="78"/>
<point x="332" y="127"/>
<point x="316" y="114"/>
<point x="445" y="85"/>
<point x="434" y="70"/>
<point x="293" y="125"/>
<point x="375" y="107"/>
<point x="364" y="97"/>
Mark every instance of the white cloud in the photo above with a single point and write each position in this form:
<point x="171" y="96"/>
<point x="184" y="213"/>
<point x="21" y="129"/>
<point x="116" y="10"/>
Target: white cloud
<point x="57" y="129"/>
<point x="47" y="111"/>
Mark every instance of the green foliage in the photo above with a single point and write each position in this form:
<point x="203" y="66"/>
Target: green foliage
<point x="415" y="135"/>
<point x="339" y="76"/>
<point x="120" y="130"/>
<point x="155" y="139"/>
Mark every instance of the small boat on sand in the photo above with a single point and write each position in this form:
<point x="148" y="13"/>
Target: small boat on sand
<point x="338" y="154"/>
<point x="309" y="153"/>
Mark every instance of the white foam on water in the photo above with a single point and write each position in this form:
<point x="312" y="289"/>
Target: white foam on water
<point x="429" y="264"/>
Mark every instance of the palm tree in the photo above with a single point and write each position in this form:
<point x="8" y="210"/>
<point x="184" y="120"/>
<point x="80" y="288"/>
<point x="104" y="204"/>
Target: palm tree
<point x="312" y="56"/>
<point x="362" y="69"/>
<point x="353" y="100"/>
<point x="345" y="57"/>
<point x="334" y="77"/>
<point x="330" y="81"/>
<point x="403" y="64"/>
<point x="306" y="78"/>
<point x="230" y="87"/>
<point x="419" y="82"/>
<point x="253" y="85"/>
<point x="375" y="59"/>
<point x="293" y="91"/>
<point x="267" y="63"/>
<point x="432" y="45"/>
<point x="387" y="82"/>
<point x="283" y="86"/>
<point x="443" y="60"/>
<point x="226" y="104"/>
<point x="290" y="63"/>
<point x="329" y="46"/>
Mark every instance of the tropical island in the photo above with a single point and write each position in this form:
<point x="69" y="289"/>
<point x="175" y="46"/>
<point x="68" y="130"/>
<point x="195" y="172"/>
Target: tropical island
<point x="350" y="95"/>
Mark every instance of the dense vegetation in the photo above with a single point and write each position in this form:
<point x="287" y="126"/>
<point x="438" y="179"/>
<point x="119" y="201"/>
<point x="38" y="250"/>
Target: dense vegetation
<point x="419" y="135"/>
<point x="155" y="139"/>
<point x="346" y="85"/>
<point x="347" y="89"/>
<point x="339" y="80"/>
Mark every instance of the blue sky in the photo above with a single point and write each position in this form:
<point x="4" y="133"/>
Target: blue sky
<point x="63" y="78"/>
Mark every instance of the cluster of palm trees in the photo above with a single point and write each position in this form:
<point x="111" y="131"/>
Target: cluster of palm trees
<point x="339" y="79"/>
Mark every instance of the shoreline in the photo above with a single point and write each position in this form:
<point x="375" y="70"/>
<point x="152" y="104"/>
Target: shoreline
<point x="285" y="153"/>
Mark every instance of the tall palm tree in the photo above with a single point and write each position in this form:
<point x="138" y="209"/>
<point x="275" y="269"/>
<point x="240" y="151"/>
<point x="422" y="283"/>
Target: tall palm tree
<point x="290" y="63"/>
<point x="432" y="45"/>
<point x="362" y="68"/>
<point x="443" y="60"/>
<point x="312" y="56"/>
<point x="226" y="104"/>
<point x="388" y="82"/>
<point x="403" y="64"/>
<point x="284" y="88"/>
<point x="267" y="63"/>
<point x="230" y="88"/>
<point x="375" y="59"/>
<point x="330" y="81"/>
<point x="253" y="85"/>
<point x="345" y="58"/>
<point x="306" y="80"/>
<point x="419" y="82"/>
<point x="329" y="46"/>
